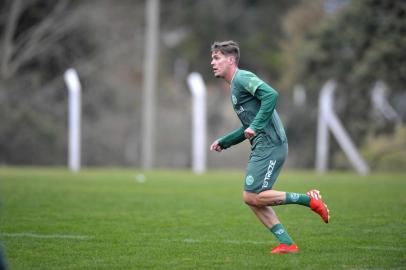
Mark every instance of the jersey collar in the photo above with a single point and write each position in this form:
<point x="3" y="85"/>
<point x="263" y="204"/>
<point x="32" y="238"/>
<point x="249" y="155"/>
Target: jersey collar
<point x="231" y="82"/>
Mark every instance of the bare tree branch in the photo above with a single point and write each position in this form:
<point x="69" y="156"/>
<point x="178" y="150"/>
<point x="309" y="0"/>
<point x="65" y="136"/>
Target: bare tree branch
<point x="41" y="37"/>
<point x="36" y="32"/>
<point x="10" y="28"/>
<point x="34" y="50"/>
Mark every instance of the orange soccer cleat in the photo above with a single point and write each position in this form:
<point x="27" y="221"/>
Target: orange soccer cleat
<point x="283" y="249"/>
<point x="317" y="205"/>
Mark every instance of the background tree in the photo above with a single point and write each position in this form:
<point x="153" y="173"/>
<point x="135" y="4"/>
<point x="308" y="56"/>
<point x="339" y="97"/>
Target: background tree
<point x="285" y="42"/>
<point x="359" y="45"/>
<point x="39" y="38"/>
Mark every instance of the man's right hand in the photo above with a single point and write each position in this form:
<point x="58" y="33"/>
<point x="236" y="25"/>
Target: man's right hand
<point x="215" y="146"/>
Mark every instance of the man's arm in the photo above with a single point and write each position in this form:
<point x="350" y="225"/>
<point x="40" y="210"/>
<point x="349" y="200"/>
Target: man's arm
<point x="232" y="138"/>
<point x="268" y="97"/>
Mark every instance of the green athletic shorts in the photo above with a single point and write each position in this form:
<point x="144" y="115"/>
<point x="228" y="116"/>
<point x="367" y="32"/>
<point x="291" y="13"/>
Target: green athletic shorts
<point x="264" y="165"/>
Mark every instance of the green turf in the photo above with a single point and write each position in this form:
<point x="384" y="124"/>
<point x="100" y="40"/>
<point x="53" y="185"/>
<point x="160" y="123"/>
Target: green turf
<point x="106" y="219"/>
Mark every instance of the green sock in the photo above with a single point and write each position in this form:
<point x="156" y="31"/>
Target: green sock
<point x="297" y="198"/>
<point x="279" y="231"/>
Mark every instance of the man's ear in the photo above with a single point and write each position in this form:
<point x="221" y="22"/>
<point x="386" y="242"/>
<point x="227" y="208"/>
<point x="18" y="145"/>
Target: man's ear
<point x="231" y="59"/>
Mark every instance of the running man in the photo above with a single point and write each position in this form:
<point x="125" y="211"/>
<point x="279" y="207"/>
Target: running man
<point x="254" y="103"/>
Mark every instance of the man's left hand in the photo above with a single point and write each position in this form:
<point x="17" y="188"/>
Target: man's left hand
<point x="249" y="133"/>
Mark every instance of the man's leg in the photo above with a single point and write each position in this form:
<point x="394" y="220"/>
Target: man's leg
<point x="268" y="217"/>
<point x="311" y="199"/>
<point x="273" y="197"/>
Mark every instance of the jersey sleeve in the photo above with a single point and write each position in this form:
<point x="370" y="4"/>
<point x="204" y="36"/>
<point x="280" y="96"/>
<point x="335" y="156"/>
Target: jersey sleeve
<point x="268" y="97"/>
<point x="232" y="138"/>
<point x="249" y="82"/>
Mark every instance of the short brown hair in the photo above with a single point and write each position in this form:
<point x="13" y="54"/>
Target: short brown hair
<point x="228" y="47"/>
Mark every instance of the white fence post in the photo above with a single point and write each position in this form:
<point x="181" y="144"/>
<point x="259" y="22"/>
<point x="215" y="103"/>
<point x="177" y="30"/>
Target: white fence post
<point x="323" y="142"/>
<point x="328" y="118"/>
<point x="198" y="89"/>
<point x="74" y="88"/>
<point x="381" y="104"/>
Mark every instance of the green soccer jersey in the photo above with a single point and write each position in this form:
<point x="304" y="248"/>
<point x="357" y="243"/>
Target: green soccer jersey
<point x="254" y="103"/>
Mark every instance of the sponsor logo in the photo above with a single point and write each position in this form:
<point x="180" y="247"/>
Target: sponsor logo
<point x="249" y="180"/>
<point x="294" y="197"/>
<point x="240" y="110"/>
<point x="280" y="231"/>
<point x="270" y="170"/>
<point x="234" y="99"/>
<point x="269" y="173"/>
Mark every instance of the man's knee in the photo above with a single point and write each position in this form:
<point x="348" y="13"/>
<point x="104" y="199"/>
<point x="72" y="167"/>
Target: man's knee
<point x="248" y="201"/>
<point x="252" y="199"/>
<point x="248" y="198"/>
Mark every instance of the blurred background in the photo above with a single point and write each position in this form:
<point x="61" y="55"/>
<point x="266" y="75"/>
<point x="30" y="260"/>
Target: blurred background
<point x="295" y="45"/>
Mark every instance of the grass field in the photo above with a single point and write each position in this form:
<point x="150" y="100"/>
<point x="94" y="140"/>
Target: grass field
<point x="112" y="219"/>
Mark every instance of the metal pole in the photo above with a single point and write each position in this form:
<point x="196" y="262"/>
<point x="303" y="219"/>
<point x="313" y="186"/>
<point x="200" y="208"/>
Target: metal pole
<point x="323" y="142"/>
<point x="382" y="105"/>
<point x="72" y="81"/>
<point x="328" y="119"/>
<point x="198" y="89"/>
<point x="150" y="79"/>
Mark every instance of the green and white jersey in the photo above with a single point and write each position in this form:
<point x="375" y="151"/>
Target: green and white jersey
<point x="254" y="103"/>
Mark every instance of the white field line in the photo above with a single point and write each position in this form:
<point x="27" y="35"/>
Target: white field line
<point x="239" y="242"/>
<point x="46" y="236"/>
<point x="382" y="248"/>
<point x="232" y="242"/>
<point x="244" y="242"/>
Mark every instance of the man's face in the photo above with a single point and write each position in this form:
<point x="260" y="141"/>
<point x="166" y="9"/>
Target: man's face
<point x="220" y="63"/>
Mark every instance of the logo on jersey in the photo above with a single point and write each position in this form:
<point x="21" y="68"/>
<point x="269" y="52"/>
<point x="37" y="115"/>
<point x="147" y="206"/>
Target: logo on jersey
<point x="240" y="110"/>
<point x="249" y="180"/>
<point x="234" y="99"/>
<point x="269" y="173"/>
